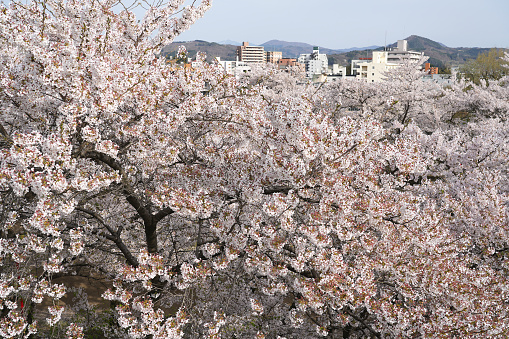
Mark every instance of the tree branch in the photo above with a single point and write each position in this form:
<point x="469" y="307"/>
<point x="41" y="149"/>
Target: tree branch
<point x="115" y="237"/>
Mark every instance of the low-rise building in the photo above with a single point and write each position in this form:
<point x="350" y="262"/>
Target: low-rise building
<point x="285" y="63"/>
<point x="430" y="70"/>
<point x="373" y="69"/>
<point x="233" y="67"/>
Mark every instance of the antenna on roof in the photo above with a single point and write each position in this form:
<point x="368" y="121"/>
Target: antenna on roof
<point x="385" y="43"/>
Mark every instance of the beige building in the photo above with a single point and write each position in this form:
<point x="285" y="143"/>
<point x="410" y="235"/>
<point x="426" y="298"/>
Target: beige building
<point x="285" y="63"/>
<point x="251" y="54"/>
<point x="273" y="57"/>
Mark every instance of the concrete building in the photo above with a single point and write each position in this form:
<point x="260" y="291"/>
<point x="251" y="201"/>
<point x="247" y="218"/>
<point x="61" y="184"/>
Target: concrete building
<point x="273" y="57"/>
<point x="336" y="73"/>
<point x="285" y="63"/>
<point x="233" y="67"/>
<point x="337" y="70"/>
<point x="355" y="69"/>
<point x="373" y="69"/>
<point x="315" y="63"/>
<point x="401" y="53"/>
<point x="430" y="70"/>
<point x="251" y="54"/>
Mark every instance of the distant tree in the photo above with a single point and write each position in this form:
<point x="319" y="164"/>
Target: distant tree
<point x="487" y="66"/>
<point x="445" y="69"/>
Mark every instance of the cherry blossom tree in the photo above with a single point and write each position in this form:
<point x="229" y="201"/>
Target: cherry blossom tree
<point x="211" y="207"/>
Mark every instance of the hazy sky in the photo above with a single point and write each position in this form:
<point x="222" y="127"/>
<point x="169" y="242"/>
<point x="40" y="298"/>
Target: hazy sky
<point x="343" y="24"/>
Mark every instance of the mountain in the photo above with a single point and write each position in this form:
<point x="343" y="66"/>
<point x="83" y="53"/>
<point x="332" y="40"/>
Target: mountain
<point x="294" y="49"/>
<point x="211" y="49"/>
<point x="439" y="54"/>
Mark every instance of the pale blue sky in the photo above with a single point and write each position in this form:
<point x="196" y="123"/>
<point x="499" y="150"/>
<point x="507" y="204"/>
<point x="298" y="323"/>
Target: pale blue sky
<point x="354" y="23"/>
<point x="343" y="24"/>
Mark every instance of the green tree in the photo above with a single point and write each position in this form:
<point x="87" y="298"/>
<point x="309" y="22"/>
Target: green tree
<point x="488" y="66"/>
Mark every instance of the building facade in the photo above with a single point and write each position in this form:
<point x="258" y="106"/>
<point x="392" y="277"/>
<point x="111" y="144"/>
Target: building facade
<point x="314" y="63"/>
<point x="430" y="70"/>
<point x="401" y="54"/>
<point x="374" y="69"/>
<point x="233" y="67"/>
<point x="251" y="54"/>
<point x="273" y="57"/>
<point x="285" y="63"/>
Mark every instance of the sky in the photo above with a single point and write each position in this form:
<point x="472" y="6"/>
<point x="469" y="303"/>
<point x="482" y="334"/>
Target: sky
<point x="341" y="24"/>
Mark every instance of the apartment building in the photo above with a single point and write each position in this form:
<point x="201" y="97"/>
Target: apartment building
<point x="251" y="54"/>
<point x="315" y="63"/>
<point x="273" y="57"/>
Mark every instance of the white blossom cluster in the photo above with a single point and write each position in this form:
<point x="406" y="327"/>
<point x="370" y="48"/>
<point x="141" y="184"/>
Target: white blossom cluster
<point x="261" y="207"/>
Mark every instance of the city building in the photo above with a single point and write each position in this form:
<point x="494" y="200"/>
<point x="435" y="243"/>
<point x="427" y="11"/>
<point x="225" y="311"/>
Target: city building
<point x="430" y="70"/>
<point x="355" y="69"/>
<point x="335" y="73"/>
<point x="337" y="70"/>
<point x="373" y="69"/>
<point x="285" y="63"/>
<point x="251" y="54"/>
<point x="315" y="63"/>
<point x="442" y="79"/>
<point x="273" y="57"/>
<point x="233" y="67"/>
<point x="401" y="53"/>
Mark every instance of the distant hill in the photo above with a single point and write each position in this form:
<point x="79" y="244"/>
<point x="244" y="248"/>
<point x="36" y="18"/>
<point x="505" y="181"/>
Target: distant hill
<point x="211" y="49"/>
<point x="294" y="49"/>
<point x="440" y="55"/>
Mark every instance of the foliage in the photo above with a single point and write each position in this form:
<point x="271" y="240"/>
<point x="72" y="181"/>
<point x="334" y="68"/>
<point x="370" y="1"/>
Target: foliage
<point x="488" y="66"/>
<point x="216" y="207"/>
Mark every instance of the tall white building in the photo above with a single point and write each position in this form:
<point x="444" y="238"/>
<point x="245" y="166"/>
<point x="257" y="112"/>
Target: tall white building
<point x="315" y="63"/>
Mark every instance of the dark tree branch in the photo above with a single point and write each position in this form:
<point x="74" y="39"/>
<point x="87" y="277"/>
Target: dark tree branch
<point x="149" y="220"/>
<point x="350" y="313"/>
<point x="115" y="236"/>
<point x="162" y="214"/>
